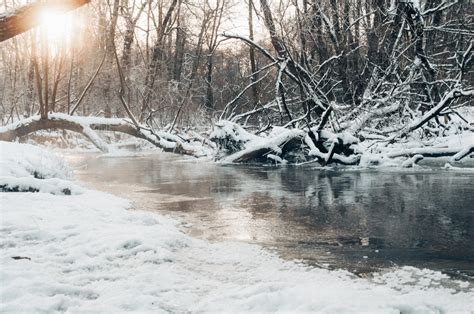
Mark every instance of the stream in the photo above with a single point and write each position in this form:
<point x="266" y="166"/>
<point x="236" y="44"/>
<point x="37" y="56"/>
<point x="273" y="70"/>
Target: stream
<point x="359" y="220"/>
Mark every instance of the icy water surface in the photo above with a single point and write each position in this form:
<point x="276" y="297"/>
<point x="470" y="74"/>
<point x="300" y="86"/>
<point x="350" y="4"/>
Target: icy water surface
<point x="357" y="220"/>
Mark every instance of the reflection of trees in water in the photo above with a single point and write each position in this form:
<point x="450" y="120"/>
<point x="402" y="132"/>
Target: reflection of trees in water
<point x="404" y="209"/>
<point x="408" y="210"/>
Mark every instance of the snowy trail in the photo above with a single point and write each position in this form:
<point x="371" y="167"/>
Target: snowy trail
<point x="87" y="252"/>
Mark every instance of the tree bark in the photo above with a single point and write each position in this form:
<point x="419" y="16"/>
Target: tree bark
<point x="270" y="24"/>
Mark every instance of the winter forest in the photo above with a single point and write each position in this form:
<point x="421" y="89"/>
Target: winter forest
<point x="362" y="70"/>
<point x="251" y="155"/>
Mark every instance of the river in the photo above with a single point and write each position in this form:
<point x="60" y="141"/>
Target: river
<point x="359" y="220"/>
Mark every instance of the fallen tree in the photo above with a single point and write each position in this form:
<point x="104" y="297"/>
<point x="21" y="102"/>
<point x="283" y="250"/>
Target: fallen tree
<point x="457" y="153"/>
<point x="236" y="145"/>
<point x="435" y="111"/>
<point x="87" y="127"/>
<point x="283" y="145"/>
<point x="274" y="149"/>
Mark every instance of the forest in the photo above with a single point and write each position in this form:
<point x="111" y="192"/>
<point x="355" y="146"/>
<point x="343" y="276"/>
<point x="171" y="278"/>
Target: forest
<point x="294" y="81"/>
<point x="248" y="156"/>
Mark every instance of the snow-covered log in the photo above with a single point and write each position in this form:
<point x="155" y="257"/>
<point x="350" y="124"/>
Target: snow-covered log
<point x="87" y="127"/>
<point x="456" y="152"/>
<point x="261" y="150"/>
<point x="230" y="137"/>
<point x="411" y="162"/>
<point x="333" y="144"/>
<point x="463" y="153"/>
<point x="283" y="145"/>
<point x="323" y="158"/>
<point x="55" y="121"/>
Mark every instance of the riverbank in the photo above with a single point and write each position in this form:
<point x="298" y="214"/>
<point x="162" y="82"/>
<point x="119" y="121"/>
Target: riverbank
<point x="227" y="142"/>
<point x="87" y="252"/>
<point x="361" y="220"/>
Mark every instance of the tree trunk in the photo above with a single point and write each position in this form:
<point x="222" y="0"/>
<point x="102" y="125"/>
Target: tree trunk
<point x="270" y="24"/>
<point x="87" y="125"/>
<point x="156" y="58"/>
<point x="209" y="90"/>
<point x="253" y="63"/>
<point x="179" y="52"/>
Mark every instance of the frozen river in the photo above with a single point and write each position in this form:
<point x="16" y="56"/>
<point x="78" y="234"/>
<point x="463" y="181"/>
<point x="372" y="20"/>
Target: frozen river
<point x="357" y="220"/>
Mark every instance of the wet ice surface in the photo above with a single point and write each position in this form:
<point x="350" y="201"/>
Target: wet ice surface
<point x="356" y="220"/>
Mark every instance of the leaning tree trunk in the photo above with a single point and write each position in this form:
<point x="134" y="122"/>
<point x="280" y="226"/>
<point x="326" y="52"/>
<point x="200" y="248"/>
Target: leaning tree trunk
<point x="88" y="126"/>
<point x="28" y="16"/>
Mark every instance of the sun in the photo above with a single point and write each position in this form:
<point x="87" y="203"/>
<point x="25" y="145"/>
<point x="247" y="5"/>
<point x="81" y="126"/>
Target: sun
<point x="56" y="24"/>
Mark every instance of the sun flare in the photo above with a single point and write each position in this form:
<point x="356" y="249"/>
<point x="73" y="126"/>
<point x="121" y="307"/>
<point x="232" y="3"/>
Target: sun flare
<point x="56" y="24"/>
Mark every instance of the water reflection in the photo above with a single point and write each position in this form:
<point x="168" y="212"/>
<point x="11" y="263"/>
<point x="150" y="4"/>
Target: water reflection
<point x="358" y="220"/>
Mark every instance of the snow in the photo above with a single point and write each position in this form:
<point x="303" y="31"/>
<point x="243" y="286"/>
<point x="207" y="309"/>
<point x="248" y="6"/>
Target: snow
<point x="345" y="137"/>
<point x="375" y="153"/>
<point x="277" y="159"/>
<point x="53" y="185"/>
<point x="224" y="129"/>
<point x="88" y="120"/>
<point x="273" y="142"/>
<point x="416" y="5"/>
<point x="436" y="109"/>
<point x="89" y="252"/>
<point x="164" y="140"/>
<point x="85" y="122"/>
<point x="347" y="160"/>
<point x="27" y="160"/>
<point x="411" y="162"/>
<point x="26" y="167"/>
<point x="233" y="143"/>
<point x="392" y="11"/>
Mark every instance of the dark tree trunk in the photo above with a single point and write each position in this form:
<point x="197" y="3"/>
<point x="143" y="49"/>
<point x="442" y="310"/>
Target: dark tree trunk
<point x="270" y="24"/>
<point x="209" y="90"/>
<point x="253" y="63"/>
<point x="179" y="53"/>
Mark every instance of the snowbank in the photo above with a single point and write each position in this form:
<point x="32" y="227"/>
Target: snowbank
<point x="25" y="167"/>
<point x="88" y="252"/>
<point x="24" y="160"/>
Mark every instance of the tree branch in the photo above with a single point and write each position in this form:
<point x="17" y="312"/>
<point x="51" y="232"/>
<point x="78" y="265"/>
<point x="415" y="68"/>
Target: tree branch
<point x="28" y="16"/>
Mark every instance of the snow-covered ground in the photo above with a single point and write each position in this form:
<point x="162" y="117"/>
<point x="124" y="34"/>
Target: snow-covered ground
<point x="88" y="252"/>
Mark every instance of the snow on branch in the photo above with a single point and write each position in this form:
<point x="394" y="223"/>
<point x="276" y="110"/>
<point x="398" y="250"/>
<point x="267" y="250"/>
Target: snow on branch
<point x="446" y="101"/>
<point x="87" y="127"/>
